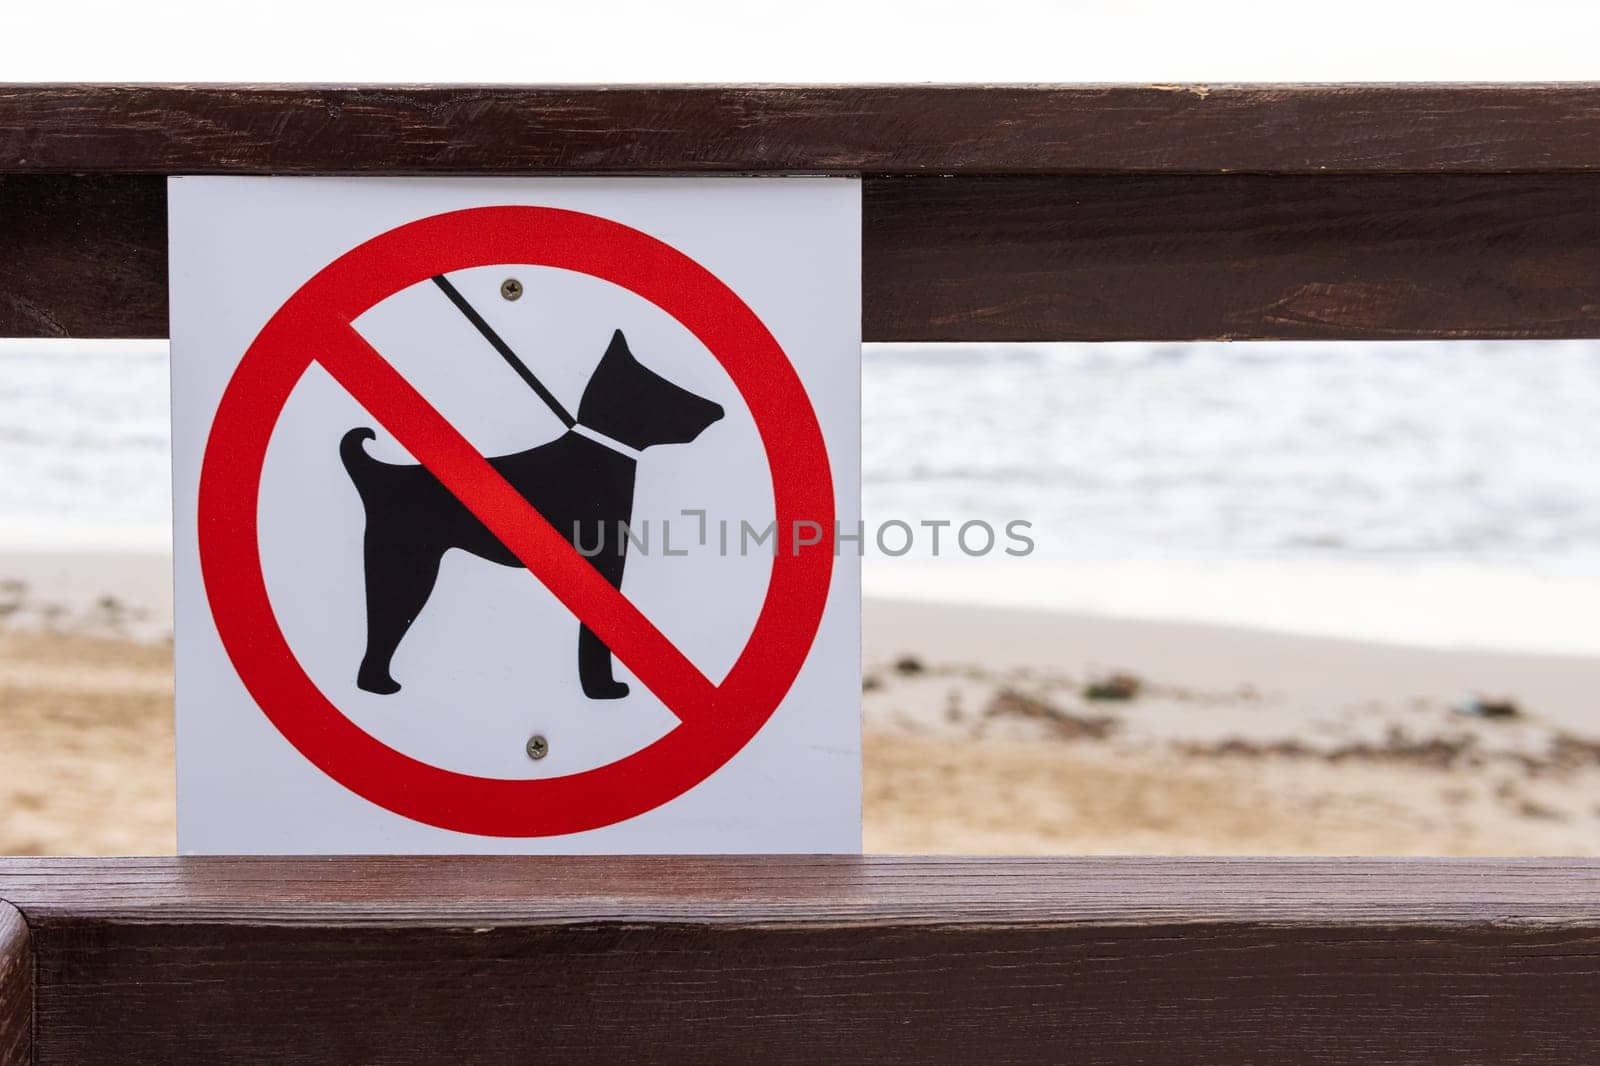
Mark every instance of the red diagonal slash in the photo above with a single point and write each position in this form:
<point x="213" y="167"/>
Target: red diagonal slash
<point x="550" y="557"/>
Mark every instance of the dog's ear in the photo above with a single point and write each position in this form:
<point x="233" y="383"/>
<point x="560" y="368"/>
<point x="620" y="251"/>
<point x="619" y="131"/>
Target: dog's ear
<point x="618" y="346"/>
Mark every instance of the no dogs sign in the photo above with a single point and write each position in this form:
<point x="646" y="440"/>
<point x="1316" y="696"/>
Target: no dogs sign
<point x="509" y="513"/>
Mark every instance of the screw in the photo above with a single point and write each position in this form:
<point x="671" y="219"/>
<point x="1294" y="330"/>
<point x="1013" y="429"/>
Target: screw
<point x="511" y="289"/>
<point x="538" y="747"/>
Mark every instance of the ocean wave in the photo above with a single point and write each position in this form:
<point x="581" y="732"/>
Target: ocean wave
<point x="1459" y="450"/>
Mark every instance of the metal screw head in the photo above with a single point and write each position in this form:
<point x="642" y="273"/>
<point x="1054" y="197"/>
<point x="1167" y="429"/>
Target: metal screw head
<point x="538" y="747"/>
<point x="511" y="289"/>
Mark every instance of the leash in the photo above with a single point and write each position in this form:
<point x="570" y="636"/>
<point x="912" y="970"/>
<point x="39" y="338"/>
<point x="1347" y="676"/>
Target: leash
<point x="505" y="351"/>
<point x="528" y="375"/>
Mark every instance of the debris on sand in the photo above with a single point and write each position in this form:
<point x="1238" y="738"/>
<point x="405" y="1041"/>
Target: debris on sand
<point x="871" y="682"/>
<point x="1479" y="707"/>
<point x="12" y="595"/>
<point x="1010" y="703"/>
<point x="1528" y="808"/>
<point x="1569" y="752"/>
<point x="1439" y="753"/>
<point x="1397" y="748"/>
<point x="909" y="666"/>
<point x="1249" y="749"/>
<point x="1113" y="688"/>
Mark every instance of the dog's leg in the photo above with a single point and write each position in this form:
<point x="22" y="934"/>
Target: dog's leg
<point x="594" y="668"/>
<point x="594" y="658"/>
<point x="399" y="582"/>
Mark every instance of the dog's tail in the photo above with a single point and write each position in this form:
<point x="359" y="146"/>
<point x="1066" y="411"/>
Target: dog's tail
<point x="356" y="460"/>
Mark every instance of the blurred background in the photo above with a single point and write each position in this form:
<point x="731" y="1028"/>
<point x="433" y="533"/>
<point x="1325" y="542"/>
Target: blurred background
<point x="1283" y="598"/>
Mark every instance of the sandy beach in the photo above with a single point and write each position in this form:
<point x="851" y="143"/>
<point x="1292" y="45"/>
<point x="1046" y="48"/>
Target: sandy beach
<point x="981" y="735"/>
<point x="86" y="766"/>
<point x="980" y="738"/>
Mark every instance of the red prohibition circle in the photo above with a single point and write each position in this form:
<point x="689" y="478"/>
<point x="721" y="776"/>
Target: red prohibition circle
<point x="317" y="319"/>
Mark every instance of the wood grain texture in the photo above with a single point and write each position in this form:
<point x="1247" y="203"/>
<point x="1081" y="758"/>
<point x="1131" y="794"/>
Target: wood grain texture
<point x="1231" y="257"/>
<point x="83" y="257"/>
<point x="812" y="960"/>
<point x="16" y="989"/>
<point x="1023" y="258"/>
<point x="888" y="129"/>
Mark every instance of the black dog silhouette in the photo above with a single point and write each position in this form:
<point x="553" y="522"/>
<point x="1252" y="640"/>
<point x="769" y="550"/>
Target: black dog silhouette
<point x="581" y="486"/>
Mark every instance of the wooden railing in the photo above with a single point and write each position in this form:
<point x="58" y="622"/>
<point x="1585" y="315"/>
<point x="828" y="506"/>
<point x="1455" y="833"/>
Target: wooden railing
<point x="770" y="959"/>
<point x="1107" y="213"/>
<point x="989" y="214"/>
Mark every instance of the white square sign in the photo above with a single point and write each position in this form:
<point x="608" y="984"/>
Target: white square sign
<point x="509" y="514"/>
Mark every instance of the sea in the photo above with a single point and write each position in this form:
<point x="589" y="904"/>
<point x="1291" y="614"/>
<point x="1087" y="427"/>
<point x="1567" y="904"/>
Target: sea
<point x="1458" y="452"/>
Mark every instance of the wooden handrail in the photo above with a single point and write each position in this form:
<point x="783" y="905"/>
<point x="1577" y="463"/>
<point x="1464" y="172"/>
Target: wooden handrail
<point x="990" y="213"/>
<point x="804" y="959"/>
<point x="949" y="129"/>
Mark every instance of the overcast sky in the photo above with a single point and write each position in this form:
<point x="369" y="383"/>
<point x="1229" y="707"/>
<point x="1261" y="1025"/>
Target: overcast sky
<point x="805" y="41"/>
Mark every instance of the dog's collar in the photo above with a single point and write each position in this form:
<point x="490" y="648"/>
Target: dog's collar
<point x="605" y="442"/>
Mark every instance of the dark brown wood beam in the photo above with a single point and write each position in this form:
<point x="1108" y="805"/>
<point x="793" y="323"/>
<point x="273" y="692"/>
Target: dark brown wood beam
<point x="779" y="959"/>
<point x="1301" y="129"/>
<point x="83" y="256"/>
<point x="16" y="989"/>
<point x="1163" y="257"/>
<point x="1173" y="257"/>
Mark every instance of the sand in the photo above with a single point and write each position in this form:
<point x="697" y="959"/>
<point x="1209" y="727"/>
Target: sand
<point x="979" y="737"/>
<point x="86" y="764"/>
